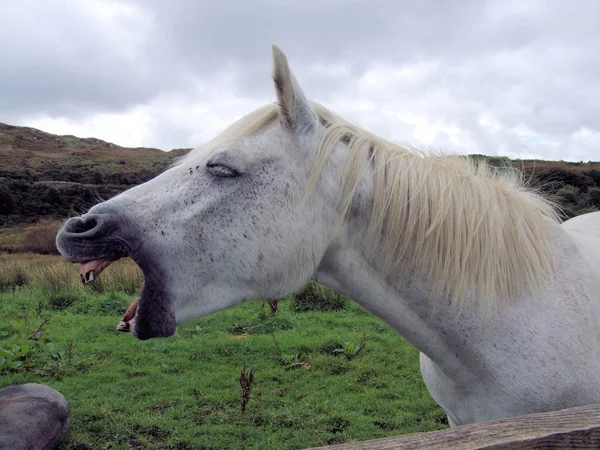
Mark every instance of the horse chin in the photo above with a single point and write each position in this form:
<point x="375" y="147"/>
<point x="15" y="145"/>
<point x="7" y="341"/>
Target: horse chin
<point x="151" y="314"/>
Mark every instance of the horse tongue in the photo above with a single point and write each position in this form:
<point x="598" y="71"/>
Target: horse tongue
<point x="90" y="270"/>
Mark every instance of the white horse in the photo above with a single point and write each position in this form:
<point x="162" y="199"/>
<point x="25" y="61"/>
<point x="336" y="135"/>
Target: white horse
<point x="466" y="264"/>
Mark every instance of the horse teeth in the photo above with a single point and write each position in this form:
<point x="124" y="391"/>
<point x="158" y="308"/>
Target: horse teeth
<point x="89" y="277"/>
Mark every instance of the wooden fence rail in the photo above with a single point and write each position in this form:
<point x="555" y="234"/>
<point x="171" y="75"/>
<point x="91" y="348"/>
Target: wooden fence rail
<point x="573" y="428"/>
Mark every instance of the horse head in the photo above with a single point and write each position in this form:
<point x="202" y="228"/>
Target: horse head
<point x="229" y="222"/>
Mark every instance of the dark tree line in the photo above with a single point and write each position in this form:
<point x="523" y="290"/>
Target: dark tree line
<point x="26" y="202"/>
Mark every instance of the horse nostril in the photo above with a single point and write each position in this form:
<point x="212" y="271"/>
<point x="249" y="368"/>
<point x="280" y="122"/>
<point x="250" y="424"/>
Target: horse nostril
<point x="81" y="225"/>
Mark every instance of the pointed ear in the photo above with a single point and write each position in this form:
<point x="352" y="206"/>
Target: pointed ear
<point x="296" y="112"/>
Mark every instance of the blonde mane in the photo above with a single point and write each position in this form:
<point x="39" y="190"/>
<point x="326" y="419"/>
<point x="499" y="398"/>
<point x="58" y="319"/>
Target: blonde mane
<point x="458" y="223"/>
<point x="462" y="225"/>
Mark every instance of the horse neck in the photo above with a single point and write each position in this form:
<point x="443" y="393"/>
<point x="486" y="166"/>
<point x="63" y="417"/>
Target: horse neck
<point x="433" y="325"/>
<point x="407" y="310"/>
<point x="447" y="335"/>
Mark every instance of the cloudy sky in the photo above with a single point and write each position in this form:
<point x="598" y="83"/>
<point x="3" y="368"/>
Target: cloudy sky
<point x="517" y="78"/>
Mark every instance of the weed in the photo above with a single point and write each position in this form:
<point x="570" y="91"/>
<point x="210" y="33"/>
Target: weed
<point x="263" y="324"/>
<point x="15" y="358"/>
<point x="293" y="360"/>
<point x="246" y="383"/>
<point x="37" y="334"/>
<point x="351" y="349"/>
<point x="275" y="342"/>
<point x="41" y="304"/>
<point x="69" y="351"/>
<point x="322" y="407"/>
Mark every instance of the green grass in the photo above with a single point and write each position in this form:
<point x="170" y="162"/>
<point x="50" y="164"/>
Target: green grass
<point x="184" y="392"/>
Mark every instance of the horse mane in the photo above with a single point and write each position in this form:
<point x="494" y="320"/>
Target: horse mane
<point x="462" y="225"/>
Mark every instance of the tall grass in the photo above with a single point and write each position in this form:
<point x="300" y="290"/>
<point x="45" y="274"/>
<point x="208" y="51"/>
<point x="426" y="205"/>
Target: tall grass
<point x="54" y="276"/>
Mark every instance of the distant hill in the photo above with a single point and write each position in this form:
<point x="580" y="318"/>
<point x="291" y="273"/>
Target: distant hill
<point x="46" y="176"/>
<point x="574" y="186"/>
<point x="37" y="155"/>
<point x="43" y="175"/>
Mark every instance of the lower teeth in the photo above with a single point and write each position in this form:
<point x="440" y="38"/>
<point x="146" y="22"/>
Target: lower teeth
<point x="89" y="277"/>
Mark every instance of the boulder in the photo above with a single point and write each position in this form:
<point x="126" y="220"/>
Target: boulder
<point x="32" y="417"/>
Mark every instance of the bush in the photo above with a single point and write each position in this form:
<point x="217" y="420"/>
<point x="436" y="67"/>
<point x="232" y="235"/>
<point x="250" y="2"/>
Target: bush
<point x="594" y="194"/>
<point x="315" y="297"/>
<point x="98" y="179"/>
<point x="568" y="194"/>
<point x="500" y="162"/>
<point x="7" y="203"/>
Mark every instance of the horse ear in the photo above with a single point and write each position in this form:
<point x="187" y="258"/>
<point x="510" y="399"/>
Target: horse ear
<point x="296" y="112"/>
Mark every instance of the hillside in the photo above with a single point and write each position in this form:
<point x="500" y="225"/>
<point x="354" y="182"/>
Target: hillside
<point x="36" y="155"/>
<point x="574" y="186"/>
<point x="46" y="176"/>
<point x="43" y="175"/>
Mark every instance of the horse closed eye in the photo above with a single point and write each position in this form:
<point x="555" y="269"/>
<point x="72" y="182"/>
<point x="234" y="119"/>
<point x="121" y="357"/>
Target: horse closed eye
<point x="221" y="171"/>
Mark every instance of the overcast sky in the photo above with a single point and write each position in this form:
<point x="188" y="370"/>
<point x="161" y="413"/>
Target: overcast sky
<point x="516" y="78"/>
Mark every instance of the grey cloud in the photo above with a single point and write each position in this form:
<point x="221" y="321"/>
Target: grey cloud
<point x="58" y="60"/>
<point x="530" y="63"/>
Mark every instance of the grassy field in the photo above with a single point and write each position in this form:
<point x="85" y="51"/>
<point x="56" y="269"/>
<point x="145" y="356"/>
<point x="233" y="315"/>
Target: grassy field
<point x="318" y="377"/>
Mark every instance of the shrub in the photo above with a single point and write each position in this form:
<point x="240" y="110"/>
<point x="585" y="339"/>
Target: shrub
<point x="7" y="203"/>
<point x="315" y="297"/>
<point x="568" y="194"/>
<point x="594" y="194"/>
<point x="500" y="162"/>
<point x="98" y="179"/>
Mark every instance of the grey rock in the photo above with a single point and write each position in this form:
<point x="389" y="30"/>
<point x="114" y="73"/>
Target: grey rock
<point x="32" y="417"/>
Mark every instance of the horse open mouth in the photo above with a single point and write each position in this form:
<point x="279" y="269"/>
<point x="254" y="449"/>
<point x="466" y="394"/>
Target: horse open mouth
<point x="90" y="271"/>
<point x="149" y="315"/>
